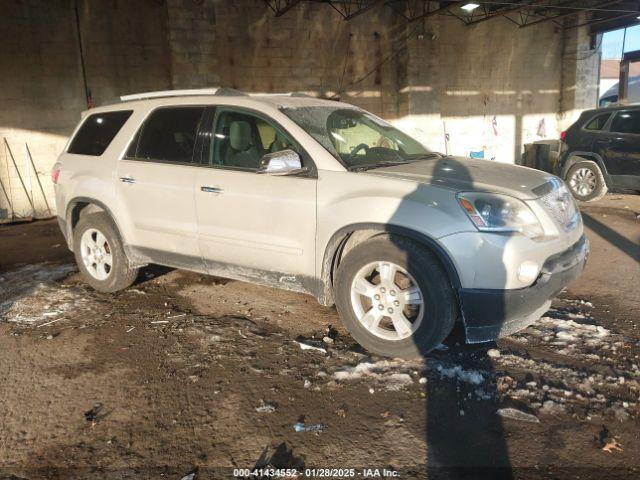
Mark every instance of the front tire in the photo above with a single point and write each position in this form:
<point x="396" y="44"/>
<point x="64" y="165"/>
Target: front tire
<point x="394" y="297"/>
<point x="99" y="254"/>
<point x="586" y="181"/>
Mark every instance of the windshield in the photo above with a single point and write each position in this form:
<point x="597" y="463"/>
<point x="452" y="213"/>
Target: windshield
<point x="358" y="138"/>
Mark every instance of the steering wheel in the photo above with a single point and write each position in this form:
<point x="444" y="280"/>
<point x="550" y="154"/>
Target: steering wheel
<point x="360" y="147"/>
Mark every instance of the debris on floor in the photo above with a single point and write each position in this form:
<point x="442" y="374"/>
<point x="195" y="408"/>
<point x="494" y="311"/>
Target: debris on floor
<point x="193" y="475"/>
<point x="266" y="407"/>
<point x="281" y="458"/>
<point x="301" y="427"/>
<point x="95" y="414"/>
<point x="307" y="345"/>
<point x="515" y="414"/>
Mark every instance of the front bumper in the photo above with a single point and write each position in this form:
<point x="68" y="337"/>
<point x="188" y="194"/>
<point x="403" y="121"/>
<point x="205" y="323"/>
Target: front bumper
<point x="490" y="314"/>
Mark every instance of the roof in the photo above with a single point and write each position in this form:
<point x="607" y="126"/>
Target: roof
<point x="610" y="68"/>
<point x="613" y="107"/>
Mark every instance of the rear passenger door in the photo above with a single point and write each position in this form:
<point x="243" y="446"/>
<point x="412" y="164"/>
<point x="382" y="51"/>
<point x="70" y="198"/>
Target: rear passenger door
<point x="258" y="222"/>
<point x="155" y="183"/>
<point x="621" y="148"/>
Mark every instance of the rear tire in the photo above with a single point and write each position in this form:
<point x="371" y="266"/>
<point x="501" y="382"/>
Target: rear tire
<point x="413" y="265"/>
<point x="100" y="255"/>
<point x="586" y="181"/>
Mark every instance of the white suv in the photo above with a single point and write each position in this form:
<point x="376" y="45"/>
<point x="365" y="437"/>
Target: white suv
<point x="319" y="197"/>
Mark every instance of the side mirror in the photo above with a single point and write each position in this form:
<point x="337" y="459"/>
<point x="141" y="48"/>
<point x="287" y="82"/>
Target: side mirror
<point x="284" y="162"/>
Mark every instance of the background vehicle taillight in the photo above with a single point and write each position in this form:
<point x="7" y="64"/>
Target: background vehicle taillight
<point x="55" y="173"/>
<point x="563" y="136"/>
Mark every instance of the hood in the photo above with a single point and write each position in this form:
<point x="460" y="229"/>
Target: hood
<point x="466" y="174"/>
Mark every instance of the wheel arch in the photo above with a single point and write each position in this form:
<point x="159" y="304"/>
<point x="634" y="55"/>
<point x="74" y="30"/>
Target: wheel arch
<point x="351" y="235"/>
<point x="80" y="206"/>
<point x="577" y="157"/>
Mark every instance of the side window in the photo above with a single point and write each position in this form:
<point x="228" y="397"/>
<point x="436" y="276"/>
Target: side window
<point x="598" y="122"/>
<point x="168" y="134"/>
<point x="240" y="140"/>
<point x="626" y="122"/>
<point x="97" y="132"/>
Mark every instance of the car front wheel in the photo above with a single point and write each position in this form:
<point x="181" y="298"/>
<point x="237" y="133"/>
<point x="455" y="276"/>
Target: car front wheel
<point x="394" y="297"/>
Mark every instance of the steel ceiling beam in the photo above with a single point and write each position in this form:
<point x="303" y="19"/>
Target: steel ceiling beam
<point x="570" y="12"/>
<point x="437" y="11"/>
<point x="597" y="21"/>
<point x="512" y="9"/>
<point x="280" y="7"/>
<point x="366" y="8"/>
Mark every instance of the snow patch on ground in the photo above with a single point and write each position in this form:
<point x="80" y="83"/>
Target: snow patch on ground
<point x="474" y="377"/>
<point x="392" y="374"/>
<point x="32" y="295"/>
<point x="572" y="333"/>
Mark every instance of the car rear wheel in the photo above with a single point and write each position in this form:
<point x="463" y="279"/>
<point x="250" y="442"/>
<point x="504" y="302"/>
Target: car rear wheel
<point x="586" y="182"/>
<point x="99" y="254"/>
<point x="394" y="297"/>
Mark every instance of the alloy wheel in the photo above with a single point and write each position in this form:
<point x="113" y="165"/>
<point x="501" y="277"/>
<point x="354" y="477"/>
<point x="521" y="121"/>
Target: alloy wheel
<point x="387" y="300"/>
<point x="583" y="181"/>
<point x="96" y="254"/>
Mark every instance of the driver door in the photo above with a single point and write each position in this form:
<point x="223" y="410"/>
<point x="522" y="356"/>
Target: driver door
<point x="251" y="223"/>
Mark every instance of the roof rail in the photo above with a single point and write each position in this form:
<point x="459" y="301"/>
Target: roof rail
<point x="286" y="94"/>
<point x="221" y="92"/>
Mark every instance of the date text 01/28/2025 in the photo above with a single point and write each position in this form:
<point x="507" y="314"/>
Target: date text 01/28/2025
<point x="315" y="473"/>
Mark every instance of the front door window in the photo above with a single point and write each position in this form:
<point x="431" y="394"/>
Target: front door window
<point x="240" y="140"/>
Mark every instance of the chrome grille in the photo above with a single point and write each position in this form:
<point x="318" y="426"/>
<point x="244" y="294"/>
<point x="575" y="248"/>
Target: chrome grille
<point x="561" y="206"/>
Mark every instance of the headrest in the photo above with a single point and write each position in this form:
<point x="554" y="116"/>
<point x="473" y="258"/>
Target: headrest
<point x="240" y="135"/>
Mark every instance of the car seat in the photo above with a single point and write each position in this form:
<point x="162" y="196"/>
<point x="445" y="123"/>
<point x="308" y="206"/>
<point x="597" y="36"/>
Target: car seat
<point x="241" y="152"/>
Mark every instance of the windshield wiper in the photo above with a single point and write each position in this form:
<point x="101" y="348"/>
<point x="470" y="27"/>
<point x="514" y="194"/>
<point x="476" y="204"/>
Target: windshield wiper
<point x="429" y="155"/>
<point x="390" y="163"/>
<point x="393" y="163"/>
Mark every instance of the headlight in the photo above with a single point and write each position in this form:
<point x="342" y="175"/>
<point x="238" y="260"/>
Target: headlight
<point x="492" y="212"/>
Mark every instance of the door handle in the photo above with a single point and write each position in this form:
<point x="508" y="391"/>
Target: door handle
<point x="604" y="140"/>
<point x="127" y="179"/>
<point x="207" y="189"/>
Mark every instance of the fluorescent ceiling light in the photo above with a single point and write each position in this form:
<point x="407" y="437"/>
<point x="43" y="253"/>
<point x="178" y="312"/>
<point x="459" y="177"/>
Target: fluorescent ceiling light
<point x="469" y="7"/>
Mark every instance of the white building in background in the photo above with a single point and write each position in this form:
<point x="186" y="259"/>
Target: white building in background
<point x="609" y="78"/>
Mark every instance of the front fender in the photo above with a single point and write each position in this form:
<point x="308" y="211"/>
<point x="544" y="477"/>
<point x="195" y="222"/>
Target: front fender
<point x="349" y="202"/>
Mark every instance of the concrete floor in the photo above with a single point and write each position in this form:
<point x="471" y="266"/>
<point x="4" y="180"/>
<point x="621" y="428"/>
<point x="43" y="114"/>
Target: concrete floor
<point x="184" y="372"/>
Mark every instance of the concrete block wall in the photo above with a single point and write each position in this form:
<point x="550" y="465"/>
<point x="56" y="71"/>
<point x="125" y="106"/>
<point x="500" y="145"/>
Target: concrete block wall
<point x="488" y="88"/>
<point x="41" y="95"/>
<point x="310" y="49"/>
<point x="580" y="72"/>
<point x="193" y="44"/>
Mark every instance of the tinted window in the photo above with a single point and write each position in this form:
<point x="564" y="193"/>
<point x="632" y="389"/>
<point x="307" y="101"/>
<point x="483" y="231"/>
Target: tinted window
<point x="241" y="140"/>
<point x="97" y="131"/>
<point x="626" y="122"/>
<point x="168" y="134"/>
<point x="598" y="122"/>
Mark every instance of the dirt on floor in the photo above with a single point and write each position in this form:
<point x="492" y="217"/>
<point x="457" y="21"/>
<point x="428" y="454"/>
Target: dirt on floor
<point x="189" y="376"/>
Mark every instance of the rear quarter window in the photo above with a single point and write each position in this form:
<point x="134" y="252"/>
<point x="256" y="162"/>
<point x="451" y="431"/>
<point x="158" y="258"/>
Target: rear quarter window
<point x="598" y="122"/>
<point x="97" y="131"/>
<point x="168" y="134"/>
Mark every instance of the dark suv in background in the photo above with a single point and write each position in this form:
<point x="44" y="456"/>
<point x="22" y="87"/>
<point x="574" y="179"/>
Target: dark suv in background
<point x="601" y="151"/>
